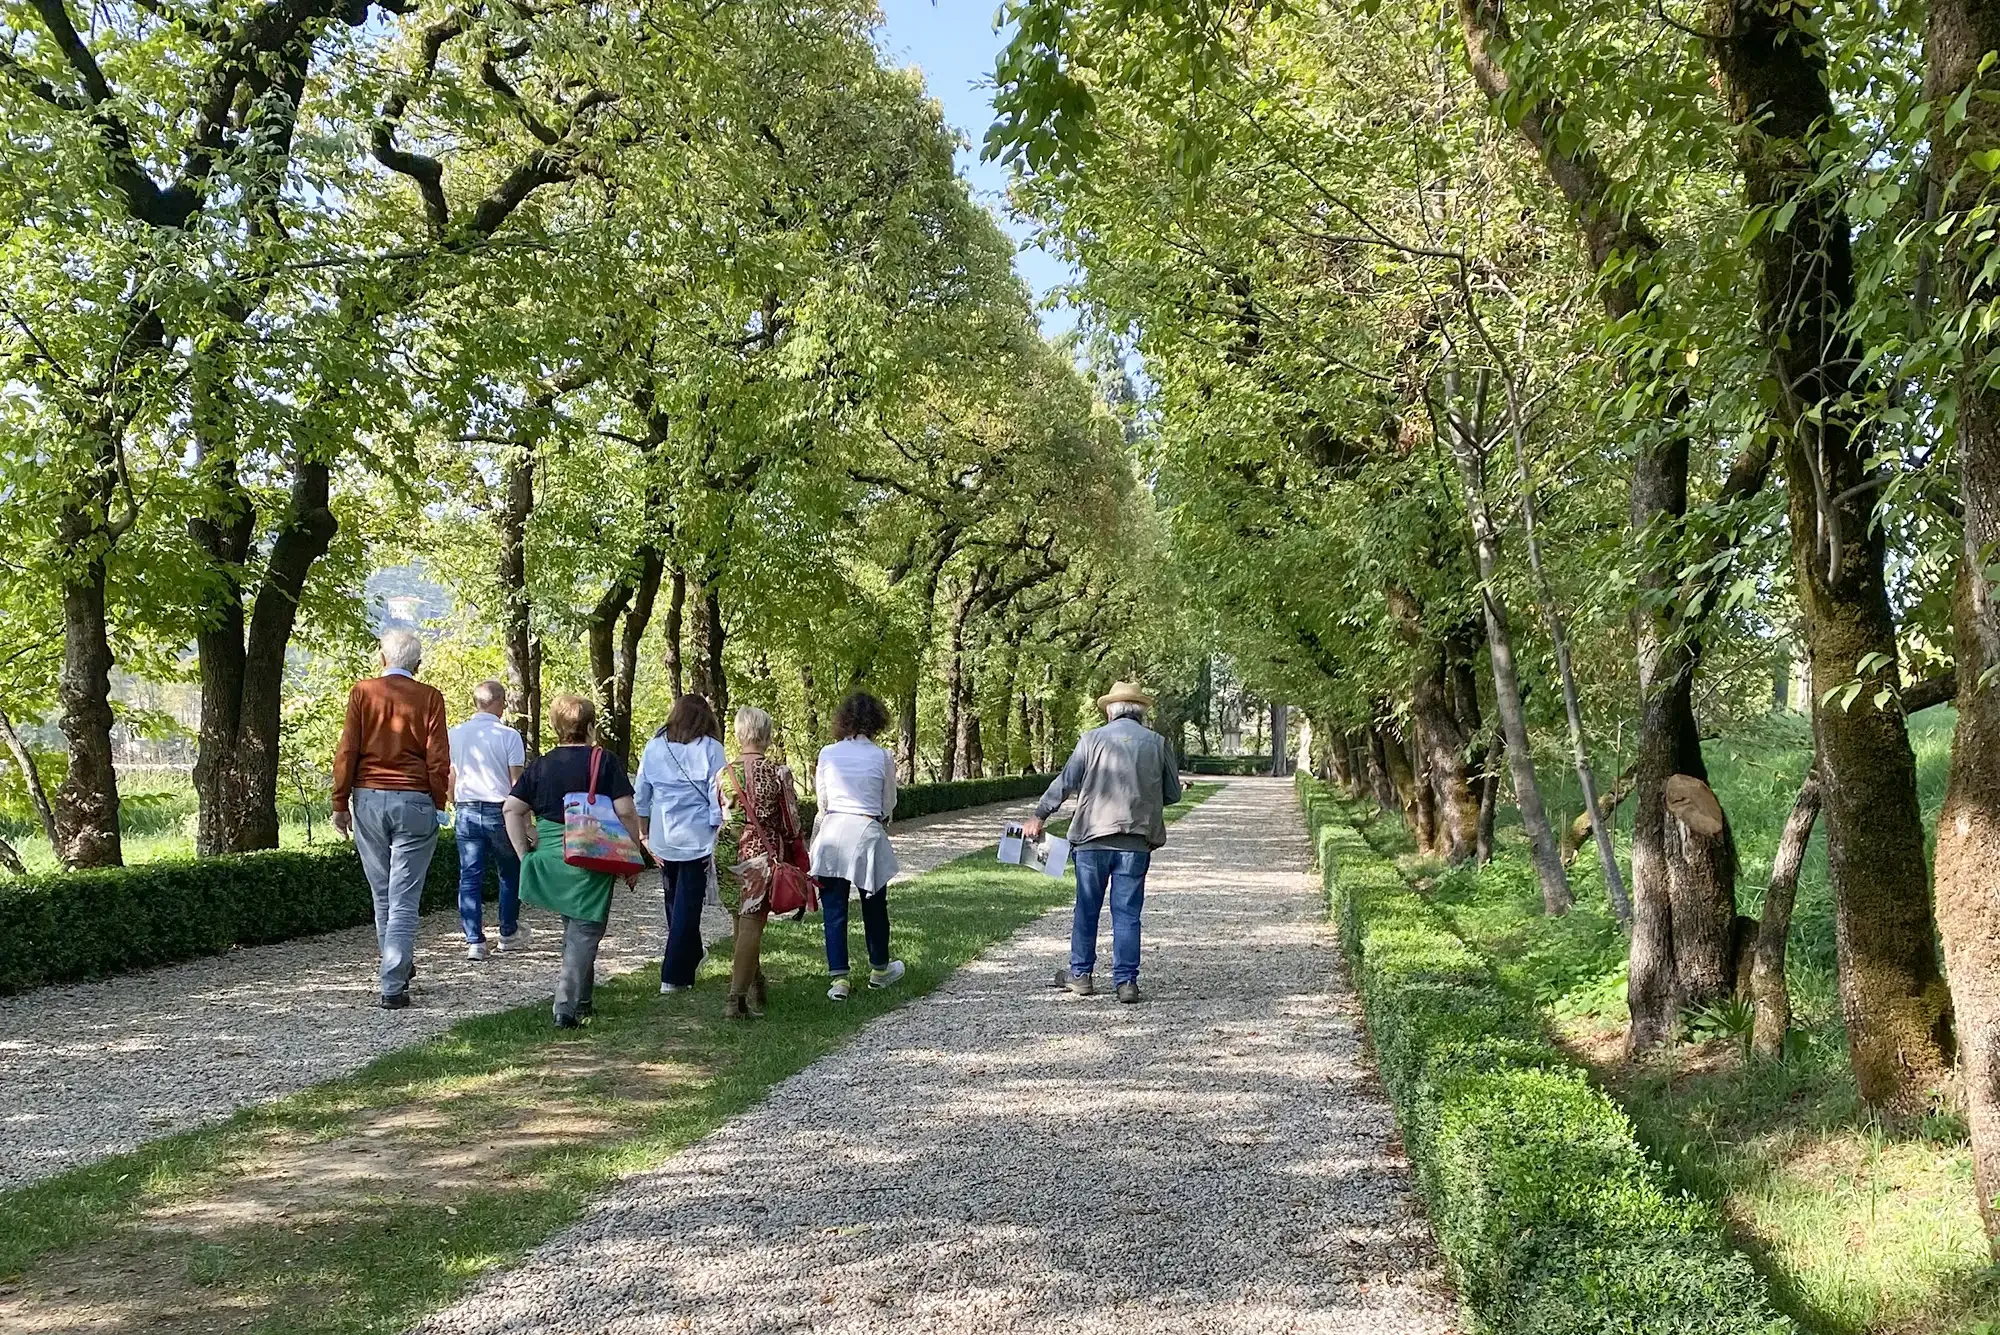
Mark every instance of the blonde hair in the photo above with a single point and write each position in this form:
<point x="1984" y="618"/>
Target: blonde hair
<point x="753" y="728"/>
<point x="572" y="717"/>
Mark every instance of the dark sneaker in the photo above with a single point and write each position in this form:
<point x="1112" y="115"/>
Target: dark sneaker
<point x="399" y="1001"/>
<point x="584" y="1010"/>
<point x="1129" y="993"/>
<point x="1082" y="984"/>
<point x="568" y="1022"/>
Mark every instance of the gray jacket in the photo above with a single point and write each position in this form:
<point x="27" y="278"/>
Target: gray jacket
<point x="1123" y="777"/>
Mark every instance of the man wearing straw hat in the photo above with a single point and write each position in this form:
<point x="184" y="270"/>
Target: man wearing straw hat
<point x="1123" y="777"/>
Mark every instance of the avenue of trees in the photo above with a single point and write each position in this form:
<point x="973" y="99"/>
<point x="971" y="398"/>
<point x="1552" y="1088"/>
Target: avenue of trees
<point x="1560" y="364"/>
<point x="664" y="335"/>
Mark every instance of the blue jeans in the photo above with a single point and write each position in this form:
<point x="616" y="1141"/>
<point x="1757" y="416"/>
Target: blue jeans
<point x="685" y="885"/>
<point x="833" y="892"/>
<point x="395" y="833"/>
<point x="1123" y="872"/>
<point x="483" y="842"/>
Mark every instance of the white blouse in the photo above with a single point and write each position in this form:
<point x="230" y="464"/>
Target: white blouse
<point x="855" y="785"/>
<point x="856" y="778"/>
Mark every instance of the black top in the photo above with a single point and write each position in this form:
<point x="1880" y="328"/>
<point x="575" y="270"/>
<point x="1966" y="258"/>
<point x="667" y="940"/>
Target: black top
<point x="551" y="777"/>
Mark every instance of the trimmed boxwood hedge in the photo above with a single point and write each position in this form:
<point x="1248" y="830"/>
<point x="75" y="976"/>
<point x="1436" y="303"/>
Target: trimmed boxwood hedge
<point x="1551" y="1218"/>
<point x="1227" y="765"/>
<point x="88" y="924"/>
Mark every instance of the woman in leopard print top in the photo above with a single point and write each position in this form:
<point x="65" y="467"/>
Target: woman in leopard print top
<point x="749" y="852"/>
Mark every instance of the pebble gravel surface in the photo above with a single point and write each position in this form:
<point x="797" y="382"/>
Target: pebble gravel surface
<point x="95" y="1069"/>
<point x="1002" y="1156"/>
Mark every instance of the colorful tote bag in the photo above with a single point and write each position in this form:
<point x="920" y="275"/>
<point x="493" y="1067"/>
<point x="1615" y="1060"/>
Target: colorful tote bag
<point x="593" y="836"/>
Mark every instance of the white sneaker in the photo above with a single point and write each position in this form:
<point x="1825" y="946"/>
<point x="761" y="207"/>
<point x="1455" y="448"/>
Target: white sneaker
<point x="475" y="950"/>
<point x="838" y="992"/>
<point x="888" y="977"/>
<point x="668" y="989"/>
<point x="516" y="941"/>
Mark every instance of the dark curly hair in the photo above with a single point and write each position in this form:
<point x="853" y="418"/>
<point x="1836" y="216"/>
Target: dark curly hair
<point x="859" y="715"/>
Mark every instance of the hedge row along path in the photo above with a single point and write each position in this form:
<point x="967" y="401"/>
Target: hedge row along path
<point x="1002" y="1156"/>
<point x="95" y="1069"/>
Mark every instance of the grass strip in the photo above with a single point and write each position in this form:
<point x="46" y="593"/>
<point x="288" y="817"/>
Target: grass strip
<point x="362" y="1203"/>
<point x="1552" y="1219"/>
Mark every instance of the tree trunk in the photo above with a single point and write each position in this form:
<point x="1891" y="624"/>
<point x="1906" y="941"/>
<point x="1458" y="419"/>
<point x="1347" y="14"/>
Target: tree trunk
<point x="1453" y="821"/>
<point x="906" y="737"/>
<point x="1389" y="779"/>
<point x="1280" y="717"/>
<point x="243" y="667"/>
<point x="614" y="632"/>
<point x="809" y="693"/>
<point x="1489" y="795"/>
<point x="954" y="687"/>
<point x="709" y="677"/>
<point x="1340" y="763"/>
<point x="1701" y="860"/>
<point x="524" y="677"/>
<point x="1469" y="450"/>
<point x="32" y="777"/>
<point x="1893" y="997"/>
<point x="1768" y="991"/>
<point x="11" y="860"/>
<point x="1622" y="250"/>
<point x="1962" y="33"/>
<point x="676" y="603"/>
<point x="87" y="798"/>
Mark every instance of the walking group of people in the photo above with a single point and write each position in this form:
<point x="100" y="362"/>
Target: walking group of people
<point x="710" y="824"/>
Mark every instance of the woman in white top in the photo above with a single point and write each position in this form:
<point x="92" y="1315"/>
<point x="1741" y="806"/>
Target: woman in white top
<point x="679" y="798"/>
<point x="856" y="788"/>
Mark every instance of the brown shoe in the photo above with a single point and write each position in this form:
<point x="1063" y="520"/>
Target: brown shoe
<point x="758" y="996"/>
<point x="735" y="1009"/>
<point x="1082" y="984"/>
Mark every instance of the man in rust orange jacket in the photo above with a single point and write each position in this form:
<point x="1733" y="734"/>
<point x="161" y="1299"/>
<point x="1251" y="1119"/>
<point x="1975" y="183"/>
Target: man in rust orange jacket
<point x="391" y="778"/>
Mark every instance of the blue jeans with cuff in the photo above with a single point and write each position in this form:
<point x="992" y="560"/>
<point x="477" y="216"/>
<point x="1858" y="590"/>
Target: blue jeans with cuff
<point x="483" y="843"/>
<point x="1122" y="873"/>
<point x="833" y="892"/>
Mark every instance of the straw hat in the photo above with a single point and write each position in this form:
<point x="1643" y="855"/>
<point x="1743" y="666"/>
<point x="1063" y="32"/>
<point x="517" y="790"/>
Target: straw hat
<point x="1124" y="693"/>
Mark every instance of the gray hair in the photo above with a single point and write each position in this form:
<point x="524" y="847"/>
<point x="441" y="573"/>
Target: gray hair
<point x="402" y="649"/>
<point x="490" y="696"/>
<point x="753" y="728"/>
<point x="1124" y="709"/>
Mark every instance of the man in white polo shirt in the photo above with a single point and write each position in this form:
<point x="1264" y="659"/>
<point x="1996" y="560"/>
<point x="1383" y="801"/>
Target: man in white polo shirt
<point x="486" y="757"/>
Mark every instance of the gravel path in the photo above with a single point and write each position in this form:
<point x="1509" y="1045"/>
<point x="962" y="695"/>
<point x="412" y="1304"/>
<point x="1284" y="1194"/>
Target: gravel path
<point x="95" y="1069"/>
<point x="1000" y="1156"/>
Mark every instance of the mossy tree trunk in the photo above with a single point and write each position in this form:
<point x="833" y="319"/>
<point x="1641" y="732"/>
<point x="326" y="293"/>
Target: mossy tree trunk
<point x="1772" y="70"/>
<point x="1962" y="35"/>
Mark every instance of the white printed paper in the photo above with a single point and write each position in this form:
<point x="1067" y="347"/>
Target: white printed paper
<point x="1011" y="842"/>
<point x="1054" y="857"/>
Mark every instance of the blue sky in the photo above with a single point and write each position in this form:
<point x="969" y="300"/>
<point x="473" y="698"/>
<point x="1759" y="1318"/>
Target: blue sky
<point x="953" y="43"/>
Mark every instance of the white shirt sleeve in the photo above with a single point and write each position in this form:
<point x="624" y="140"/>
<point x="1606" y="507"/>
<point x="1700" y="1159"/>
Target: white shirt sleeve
<point x="517" y="750"/>
<point x="718" y="760"/>
<point x="642" y="788"/>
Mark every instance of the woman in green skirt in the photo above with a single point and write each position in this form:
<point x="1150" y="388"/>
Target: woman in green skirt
<point x="534" y="812"/>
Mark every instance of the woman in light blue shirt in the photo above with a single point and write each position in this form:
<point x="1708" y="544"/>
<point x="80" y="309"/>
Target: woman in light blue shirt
<point x="679" y="798"/>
